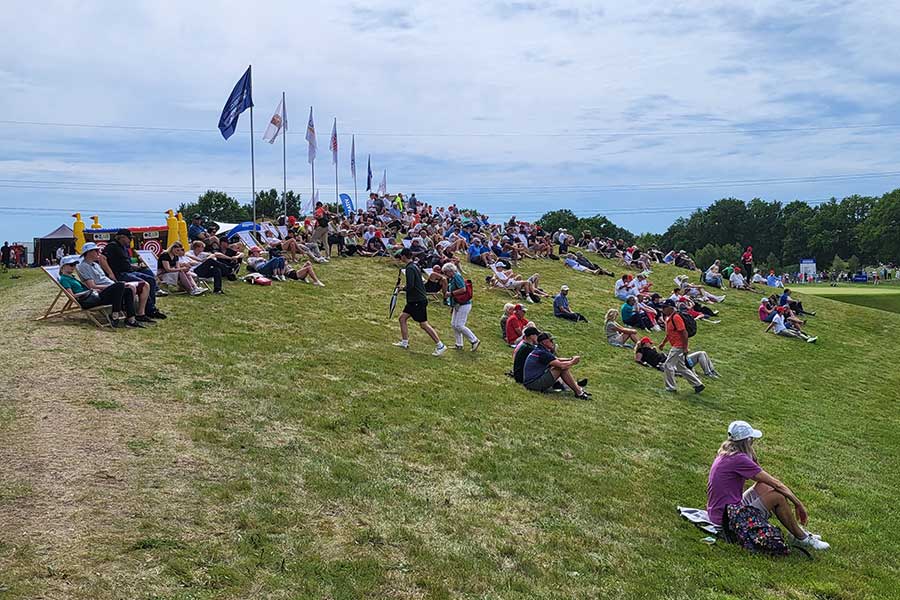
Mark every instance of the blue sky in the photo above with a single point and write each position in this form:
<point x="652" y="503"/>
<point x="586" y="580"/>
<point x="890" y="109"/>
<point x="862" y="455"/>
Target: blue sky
<point x="508" y="107"/>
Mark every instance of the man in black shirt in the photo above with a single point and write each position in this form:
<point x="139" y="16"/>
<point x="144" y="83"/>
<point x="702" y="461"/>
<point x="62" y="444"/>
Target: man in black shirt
<point x="5" y="254"/>
<point x="416" y="306"/>
<point x="529" y="341"/>
<point x="118" y="258"/>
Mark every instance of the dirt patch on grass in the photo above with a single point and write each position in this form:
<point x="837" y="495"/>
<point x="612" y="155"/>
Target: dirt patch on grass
<point x="73" y="457"/>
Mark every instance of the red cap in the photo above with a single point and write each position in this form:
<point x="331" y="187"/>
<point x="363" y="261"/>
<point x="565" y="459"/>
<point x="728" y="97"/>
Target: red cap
<point x="779" y="309"/>
<point x="646" y="340"/>
<point x="519" y="307"/>
<point x="737" y="269"/>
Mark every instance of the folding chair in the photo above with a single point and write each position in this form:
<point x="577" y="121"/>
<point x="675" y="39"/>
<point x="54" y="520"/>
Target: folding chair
<point x="68" y="304"/>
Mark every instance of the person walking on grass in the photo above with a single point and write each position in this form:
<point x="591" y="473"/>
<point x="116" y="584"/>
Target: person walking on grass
<point x="460" y="305"/>
<point x="677" y="337"/>
<point x="730" y="506"/>
<point x="416" y="306"/>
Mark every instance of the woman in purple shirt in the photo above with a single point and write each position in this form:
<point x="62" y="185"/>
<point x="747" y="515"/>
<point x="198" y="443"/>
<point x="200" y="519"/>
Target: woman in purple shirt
<point x="735" y="463"/>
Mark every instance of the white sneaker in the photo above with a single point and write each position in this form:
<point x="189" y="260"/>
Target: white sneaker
<point x="811" y="340"/>
<point x="197" y="292"/>
<point x="320" y="284"/>
<point x="439" y="350"/>
<point x="402" y="344"/>
<point x="475" y="345"/>
<point x="813" y="542"/>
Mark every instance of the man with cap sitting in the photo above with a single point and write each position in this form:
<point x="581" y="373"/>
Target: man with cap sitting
<point x="677" y="336"/>
<point x="520" y="354"/>
<point x="118" y="259"/>
<point x="196" y="229"/>
<point x="515" y="325"/>
<point x="561" y="306"/>
<point x="543" y="368"/>
<point x="134" y="296"/>
<point x="111" y="295"/>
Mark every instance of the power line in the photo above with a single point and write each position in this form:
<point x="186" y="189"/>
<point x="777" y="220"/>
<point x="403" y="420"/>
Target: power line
<point x="568" y="134"/>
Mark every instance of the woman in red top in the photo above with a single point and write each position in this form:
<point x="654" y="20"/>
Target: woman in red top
<point x="747" y="260"/>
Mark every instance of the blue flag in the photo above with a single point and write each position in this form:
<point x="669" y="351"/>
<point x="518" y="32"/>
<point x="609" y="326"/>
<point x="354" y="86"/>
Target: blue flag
<point x="347" y="203"/>
<point x="369" y="176"/>
<point x="241" y="99"/>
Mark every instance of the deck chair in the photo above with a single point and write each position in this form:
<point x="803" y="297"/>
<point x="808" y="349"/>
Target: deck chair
<point x="282" y="230"/>
<point x="152" y="263"/>
<point x="504" y="281"/>
<point x="65" y="305"/>
<point x="270" y="229"/>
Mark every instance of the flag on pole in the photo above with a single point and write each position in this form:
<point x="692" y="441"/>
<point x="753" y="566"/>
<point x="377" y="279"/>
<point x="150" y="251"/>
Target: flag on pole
<point x="369" y="176"/>
<point x="241" y="99"/>
<point x="382" y="187"/>
<point x="311" y="137"/>
<point x="333" y="146"/>
<point x="276" y="123"/>
<point x="353" y="157"/>
<point x="347" y="204"/>
<point x="310" y="205"/>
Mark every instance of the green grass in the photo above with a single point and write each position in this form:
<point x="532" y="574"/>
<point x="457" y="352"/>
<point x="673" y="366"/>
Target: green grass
<point x="290" y="452"/>
<point x="883" y="297"/>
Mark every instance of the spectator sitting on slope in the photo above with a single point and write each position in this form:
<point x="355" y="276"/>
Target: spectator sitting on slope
<point x="738" y="282"/>
<point x="523" y="349"/>
<point x="616" y="335"/>
<point x="543" y="369"/>
<point x="778" y="327"/>
<point x="561" y="306"/>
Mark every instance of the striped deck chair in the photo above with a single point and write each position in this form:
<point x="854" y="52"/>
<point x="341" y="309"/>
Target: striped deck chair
<point x="65" y="305"/>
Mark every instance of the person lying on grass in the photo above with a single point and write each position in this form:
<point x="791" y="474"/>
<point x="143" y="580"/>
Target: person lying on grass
<point x="735" y="463"/>
<point x="696" y="310"/>
<point x="543" y="369"/>
<point x="779" y="327"/>
<point x="696" y="291"/>
<point x="616" y="335"/>
<point x="571" y="262"/>
<point x="273" y="268"/>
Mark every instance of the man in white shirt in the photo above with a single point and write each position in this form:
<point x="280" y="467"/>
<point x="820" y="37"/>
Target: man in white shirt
<point x="779" y="328"/>
<point x="737" y="280"/>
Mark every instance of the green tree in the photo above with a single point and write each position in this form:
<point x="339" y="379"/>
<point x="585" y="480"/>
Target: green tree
<point x="839" y="264"/>
<point x="556" y="219"/>
<point x="270" y="206"/>
<point x="215" y="206"/>
<point x="853" y="263"/>
<point x="880" y="232"/>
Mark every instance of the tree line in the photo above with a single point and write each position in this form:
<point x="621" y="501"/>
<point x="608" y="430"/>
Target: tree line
<point x="840" y="235"/>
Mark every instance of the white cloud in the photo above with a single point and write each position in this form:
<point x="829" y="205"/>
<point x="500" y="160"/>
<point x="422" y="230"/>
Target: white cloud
<point x="433" y="71"/>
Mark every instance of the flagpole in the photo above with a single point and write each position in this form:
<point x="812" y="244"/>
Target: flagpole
<point x="336" y="199"/>
<point x="312" y="166"/>
<point x="355" y="193"/>
<point x="284" y="158"/>
<point x="252" y="169"/>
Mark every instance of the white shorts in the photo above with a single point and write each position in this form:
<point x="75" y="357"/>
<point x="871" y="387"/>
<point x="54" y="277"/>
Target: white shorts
<point x="751" y="498"/>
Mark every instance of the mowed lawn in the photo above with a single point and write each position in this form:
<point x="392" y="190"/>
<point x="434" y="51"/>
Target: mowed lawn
<point x="882" y="296"/>
<point x="272" y="444"/>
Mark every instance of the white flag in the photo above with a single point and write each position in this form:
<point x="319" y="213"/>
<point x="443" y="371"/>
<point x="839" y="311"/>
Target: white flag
<point x="353" y="156"/>
<point x="311" y="137"/>
<point x="310" y="205"/>
<point x="382" y="187"/>
<point x="276" y="123"/>
<point x="333" y="145"/>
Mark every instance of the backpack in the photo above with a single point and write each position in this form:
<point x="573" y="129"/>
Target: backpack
<point x="690" y="324"/>
<point x="749" y="528"/>
<point x="467" y="296"/>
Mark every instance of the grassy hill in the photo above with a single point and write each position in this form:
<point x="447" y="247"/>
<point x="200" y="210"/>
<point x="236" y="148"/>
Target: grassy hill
<point x="271" y="443"/>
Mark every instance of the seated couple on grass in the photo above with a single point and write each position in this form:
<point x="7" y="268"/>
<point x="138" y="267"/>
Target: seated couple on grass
<point x="744" y="514"/>
<point x="536" y="366"/>
<point x="118" y="295"/>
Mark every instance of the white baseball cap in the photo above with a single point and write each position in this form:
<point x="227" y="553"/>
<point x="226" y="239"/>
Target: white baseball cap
<point x="741" y="430"/>
<point x="564" y="288"/>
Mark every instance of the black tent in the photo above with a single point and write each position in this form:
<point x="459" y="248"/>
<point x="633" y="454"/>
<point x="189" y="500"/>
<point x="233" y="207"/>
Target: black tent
<point x="45" y="247"/>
